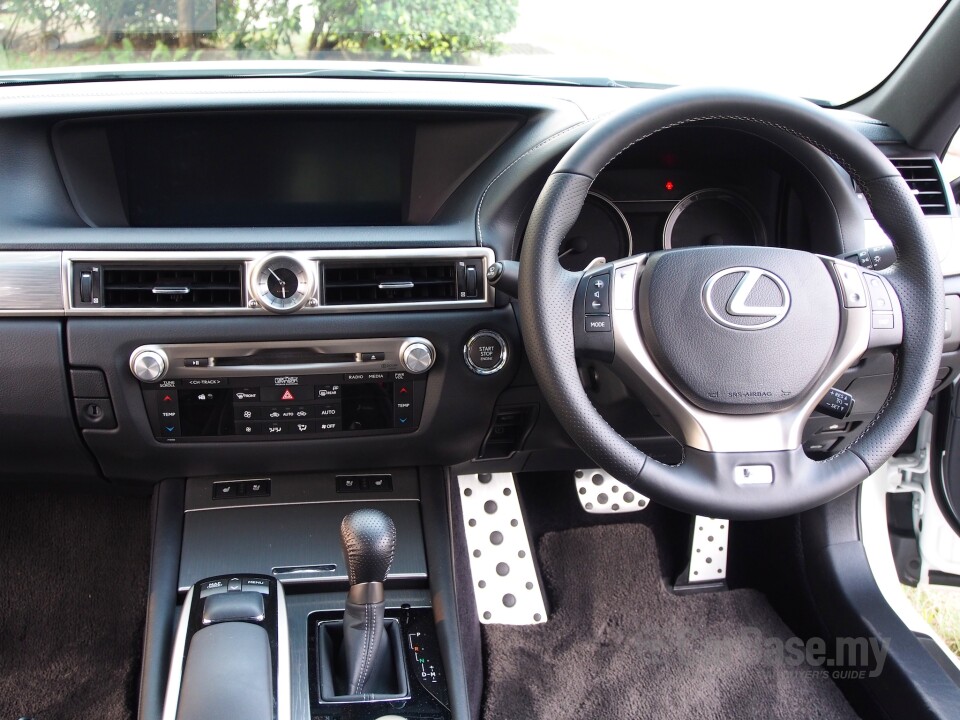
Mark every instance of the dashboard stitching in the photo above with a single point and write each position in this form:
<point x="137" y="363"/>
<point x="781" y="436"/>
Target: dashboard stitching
<point x="519" y="158"/>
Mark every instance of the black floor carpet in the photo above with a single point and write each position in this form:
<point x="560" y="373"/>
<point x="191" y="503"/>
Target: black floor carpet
<point x="620" y="645"/>
<point x="73" y="587"/>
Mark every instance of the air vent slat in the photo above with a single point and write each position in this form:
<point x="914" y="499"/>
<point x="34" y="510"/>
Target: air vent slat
<point x="923" y="178"/>
<point x="367" y="284"/>
<point x="143" y="286"/>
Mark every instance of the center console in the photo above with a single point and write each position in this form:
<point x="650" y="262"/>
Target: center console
<point x="308" y="597"/>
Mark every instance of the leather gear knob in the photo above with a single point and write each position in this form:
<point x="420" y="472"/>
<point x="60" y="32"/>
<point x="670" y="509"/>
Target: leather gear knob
<point x="369" y="540"/>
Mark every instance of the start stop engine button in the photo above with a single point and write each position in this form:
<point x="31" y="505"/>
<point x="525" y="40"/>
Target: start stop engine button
<point x="485" y="353"/>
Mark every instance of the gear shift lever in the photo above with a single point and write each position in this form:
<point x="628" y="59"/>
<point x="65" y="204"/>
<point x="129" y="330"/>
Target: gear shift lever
<point x="369" y="540"/>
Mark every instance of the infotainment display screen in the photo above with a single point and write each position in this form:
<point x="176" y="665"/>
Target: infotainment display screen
<point x="286" y="171"/>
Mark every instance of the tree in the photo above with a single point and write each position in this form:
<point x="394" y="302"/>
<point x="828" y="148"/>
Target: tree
<point x="438" y="30"/>
<point x="127" y="30"/>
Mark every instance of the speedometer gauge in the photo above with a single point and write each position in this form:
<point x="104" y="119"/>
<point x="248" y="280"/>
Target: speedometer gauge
<point x="713" y="217"/>
<point x="282" y="284"/>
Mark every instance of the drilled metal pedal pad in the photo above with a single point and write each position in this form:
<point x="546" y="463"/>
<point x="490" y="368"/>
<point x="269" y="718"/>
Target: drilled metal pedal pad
<point x="602" y="494"/>
<point x="708" y="550"/>
<point x="505" y="580"/>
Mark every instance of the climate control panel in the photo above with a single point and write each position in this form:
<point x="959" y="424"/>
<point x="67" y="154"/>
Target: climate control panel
<point x="284" y="407"/>
<point x="283" y="390"/>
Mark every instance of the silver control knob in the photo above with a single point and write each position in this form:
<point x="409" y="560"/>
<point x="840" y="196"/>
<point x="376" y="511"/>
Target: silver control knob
<point x="418" y="357"/>
<point x="148" y="365"/>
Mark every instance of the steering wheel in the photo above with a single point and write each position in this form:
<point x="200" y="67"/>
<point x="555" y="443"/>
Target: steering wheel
<point x="732" y="348"/>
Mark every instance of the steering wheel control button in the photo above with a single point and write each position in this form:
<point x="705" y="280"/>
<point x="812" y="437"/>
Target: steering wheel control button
<point x="851" y="285"/>
<point x="883" y="321"/>
<point x="879" y="298"/>
<point x="506" y="584"/>
<point x="602" y="494"/>
<point x="623" y="286"/>
<point x="149" y="365"/>
<point x="417" y="357"/>
<point x="753" y="474"/>
<point x="597" y="301"/>
<point x="485" y="353"/>
<point x="836" y="403"/>
<point x="597" y="323"/>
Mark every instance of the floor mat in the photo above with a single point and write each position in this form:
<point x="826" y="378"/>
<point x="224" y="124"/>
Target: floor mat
<point x="73" y="587"/>
<point x="620" y="645"/>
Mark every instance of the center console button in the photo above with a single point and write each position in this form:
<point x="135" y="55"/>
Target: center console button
<point x="328" y="392"/>
<point x="285" y="394"/>
<point x="246" y="394"/>
<point x="246" y="414"/>
<point x="326" y="413"/>
<point x="234" y="585"/>
<point x="260" y="585"/>
<point x="248" y="428"/>
<point x="213" y="587"/>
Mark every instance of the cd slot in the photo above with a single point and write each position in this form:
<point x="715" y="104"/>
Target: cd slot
<point x="269" y="357"/>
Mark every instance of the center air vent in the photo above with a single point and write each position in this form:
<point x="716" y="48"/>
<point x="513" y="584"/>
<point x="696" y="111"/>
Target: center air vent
<point x="923" y="178"/>
<point x="159" y="286"/>
<point x="365" y="283"/>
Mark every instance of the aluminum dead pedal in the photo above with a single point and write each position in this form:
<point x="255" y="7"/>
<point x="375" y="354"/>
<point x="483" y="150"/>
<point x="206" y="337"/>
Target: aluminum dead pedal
<point x="601" y="493"/>
<point x="505" y="580"/>
<point x="707" y="569"/>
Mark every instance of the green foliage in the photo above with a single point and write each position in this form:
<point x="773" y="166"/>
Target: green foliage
<point x="36" y="33"/>
<point x="430" y="30"/>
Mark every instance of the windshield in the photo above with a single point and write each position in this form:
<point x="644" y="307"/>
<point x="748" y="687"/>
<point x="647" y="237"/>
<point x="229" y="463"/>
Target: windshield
<point x="829" y="50"/>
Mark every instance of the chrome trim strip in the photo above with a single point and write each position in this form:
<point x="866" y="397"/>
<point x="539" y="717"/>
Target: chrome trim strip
<point x="172" y="697"/>
<point x="284" y="681"/>
<point x="30" y="283"/>
<point x="251" y="259"/>
<point x="176" y="354"/>
<point x="351" y="499"/>
<point x="715" y="432"/>
<point x="399" y="285"/>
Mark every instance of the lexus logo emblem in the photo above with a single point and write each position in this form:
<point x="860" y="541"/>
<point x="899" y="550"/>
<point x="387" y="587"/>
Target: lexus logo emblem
<point x="746" y="298"/>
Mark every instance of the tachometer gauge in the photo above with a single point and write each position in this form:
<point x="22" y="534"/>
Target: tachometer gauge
<point x="601" y="230"/>
<point x="282" y="284"/>
<point x="713" y="217"/>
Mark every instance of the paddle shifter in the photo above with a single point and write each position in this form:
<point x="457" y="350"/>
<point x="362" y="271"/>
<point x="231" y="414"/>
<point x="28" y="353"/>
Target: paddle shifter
<point x="369" y="540"/>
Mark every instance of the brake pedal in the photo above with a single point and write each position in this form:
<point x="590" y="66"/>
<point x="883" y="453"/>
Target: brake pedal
<point x="506" y="584"/>
<point x="707" y="568"/>
<point x="602" y="494"/>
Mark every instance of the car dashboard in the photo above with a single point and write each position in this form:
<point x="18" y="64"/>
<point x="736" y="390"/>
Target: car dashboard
<point x="209" y="278"/>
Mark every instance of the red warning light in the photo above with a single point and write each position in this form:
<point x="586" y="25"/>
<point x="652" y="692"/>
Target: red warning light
<point x="287" y="395"/>
<point x="669" y="185"/>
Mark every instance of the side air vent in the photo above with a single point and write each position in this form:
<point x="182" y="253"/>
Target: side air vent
<point x="366" y="283"/>
<point x="159" y="286"/>
<point x="923" y="177"/>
